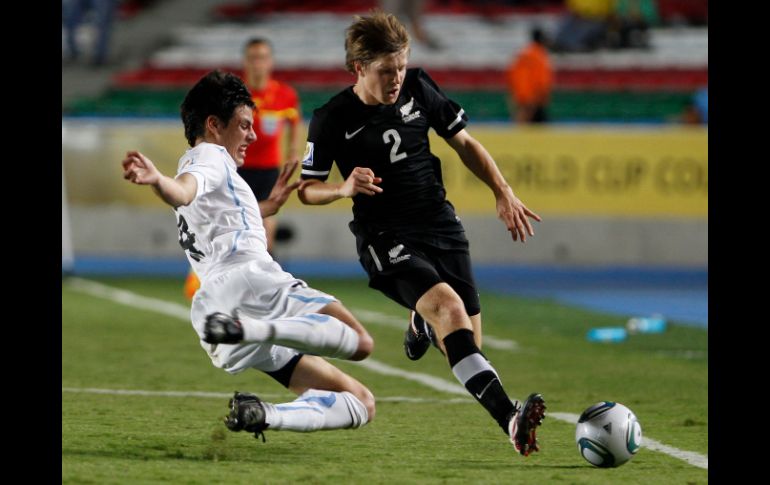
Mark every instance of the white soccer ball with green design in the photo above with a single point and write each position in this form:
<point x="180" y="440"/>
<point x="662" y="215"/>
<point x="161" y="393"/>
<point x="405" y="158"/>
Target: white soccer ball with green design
<point x="608" y="434"/>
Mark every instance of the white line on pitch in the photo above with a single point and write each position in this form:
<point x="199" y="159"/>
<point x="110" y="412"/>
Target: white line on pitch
<point x="129" y="298"/>
<point x="425" y="379"/>
<point x="172" y="309"/>
<point x="177" y="310"/>
<point x="225" y="395"/>
<point x="377" y="318"/>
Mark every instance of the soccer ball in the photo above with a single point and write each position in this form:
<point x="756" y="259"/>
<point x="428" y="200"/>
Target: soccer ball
<point x="608" y="434"/>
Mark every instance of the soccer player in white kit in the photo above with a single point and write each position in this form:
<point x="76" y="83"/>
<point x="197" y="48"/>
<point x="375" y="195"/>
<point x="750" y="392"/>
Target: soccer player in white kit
<point x="249" y="313"/>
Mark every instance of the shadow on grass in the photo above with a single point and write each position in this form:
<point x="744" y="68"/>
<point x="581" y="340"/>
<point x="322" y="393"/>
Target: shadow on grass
<point x="275" y="456"/>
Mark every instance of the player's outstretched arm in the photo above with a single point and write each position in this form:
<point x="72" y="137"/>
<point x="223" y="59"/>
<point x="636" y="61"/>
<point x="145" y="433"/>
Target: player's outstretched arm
<point x="140" y="170"/>
<point x="361" y="181"/>
<point x="281" y="190"/>
<point x="514" y="214"/>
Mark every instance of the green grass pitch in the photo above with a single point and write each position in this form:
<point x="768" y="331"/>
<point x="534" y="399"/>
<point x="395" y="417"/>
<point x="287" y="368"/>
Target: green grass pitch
<point x="108" y="438"/>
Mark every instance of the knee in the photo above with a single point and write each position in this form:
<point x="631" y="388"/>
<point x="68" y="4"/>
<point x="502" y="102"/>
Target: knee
<point x="455" y="313"/>
<point x="448" y="313"/>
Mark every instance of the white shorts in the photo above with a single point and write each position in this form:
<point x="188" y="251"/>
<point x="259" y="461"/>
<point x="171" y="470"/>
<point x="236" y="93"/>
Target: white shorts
<point x="262" y="291"/>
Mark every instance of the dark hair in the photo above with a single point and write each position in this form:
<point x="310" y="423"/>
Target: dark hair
<point x="217" y="93"/>
<point x="368" y="38"/>
<point x="255" y="41"/>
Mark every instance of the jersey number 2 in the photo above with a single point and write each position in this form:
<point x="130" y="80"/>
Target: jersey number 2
<point x="392" y="135"/>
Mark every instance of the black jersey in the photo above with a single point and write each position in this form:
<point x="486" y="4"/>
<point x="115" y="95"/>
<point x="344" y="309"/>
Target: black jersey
<point x="393" y="141"/>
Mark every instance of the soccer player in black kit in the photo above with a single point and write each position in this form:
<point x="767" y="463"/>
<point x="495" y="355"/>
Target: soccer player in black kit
<point x="408" y="237"/>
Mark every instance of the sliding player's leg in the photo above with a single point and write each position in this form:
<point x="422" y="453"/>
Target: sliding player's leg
<point x="327" y="399"/>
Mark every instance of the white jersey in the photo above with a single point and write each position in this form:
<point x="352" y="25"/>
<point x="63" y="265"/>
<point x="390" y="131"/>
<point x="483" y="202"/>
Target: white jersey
<point x="222" y="234"/>
<point x="222" y="226"/>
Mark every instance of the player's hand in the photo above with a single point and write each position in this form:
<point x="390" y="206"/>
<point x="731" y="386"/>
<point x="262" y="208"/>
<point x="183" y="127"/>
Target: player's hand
<point x="361" y="181"/>
<point x="282" y="189"/>
<point x="139" y="169"/>
<point x="515" y="215"/>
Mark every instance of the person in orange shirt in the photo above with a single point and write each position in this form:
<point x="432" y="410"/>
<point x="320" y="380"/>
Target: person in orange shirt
<point x="277" y="108"/>
<point x="530" y="80"/>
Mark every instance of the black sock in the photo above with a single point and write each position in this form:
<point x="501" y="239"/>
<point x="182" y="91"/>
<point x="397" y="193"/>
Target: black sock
<point x="475" y="372"/>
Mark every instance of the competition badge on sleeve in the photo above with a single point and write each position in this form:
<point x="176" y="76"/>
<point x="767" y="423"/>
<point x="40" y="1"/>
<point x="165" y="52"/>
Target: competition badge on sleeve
<point x="307" y="158"/>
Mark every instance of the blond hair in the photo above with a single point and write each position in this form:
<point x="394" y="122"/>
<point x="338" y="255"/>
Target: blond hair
<point x="370" y="37"/>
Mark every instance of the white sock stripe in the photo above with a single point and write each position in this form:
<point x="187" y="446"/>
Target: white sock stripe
<point x="470" y="366"/>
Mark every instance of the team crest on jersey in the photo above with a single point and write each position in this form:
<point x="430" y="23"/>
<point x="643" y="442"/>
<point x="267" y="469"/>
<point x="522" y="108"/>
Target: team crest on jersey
<point x="307" y="158"/>
<point x="406" y="111"/>
<point x="394" y="254"/>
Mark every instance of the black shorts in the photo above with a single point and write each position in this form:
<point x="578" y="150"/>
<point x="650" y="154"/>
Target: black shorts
<point x="261" y="180"/>
<point x="283" y="375"/>
<point x="405" y="266"/>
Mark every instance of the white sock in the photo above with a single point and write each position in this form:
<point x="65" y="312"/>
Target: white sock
<point x="317" y="410"/>
<point x="314" y="333"/>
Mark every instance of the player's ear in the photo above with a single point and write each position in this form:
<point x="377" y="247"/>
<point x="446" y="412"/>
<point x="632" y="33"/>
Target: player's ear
<point x="359" y="67"/>
<point x="213" y="125"/>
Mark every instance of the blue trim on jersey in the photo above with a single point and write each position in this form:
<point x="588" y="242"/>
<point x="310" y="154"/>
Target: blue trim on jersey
<point x="313" y="299"/>
<point x="325" y="401"/>
<point x="317" y="317"/>
<point x="289" y="407"/>
<point x="238" y="204"/>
